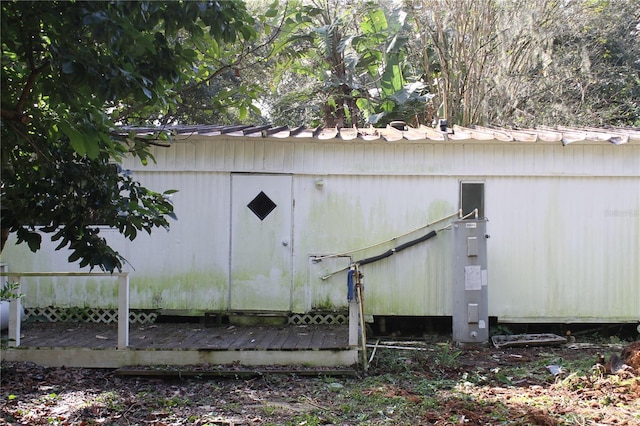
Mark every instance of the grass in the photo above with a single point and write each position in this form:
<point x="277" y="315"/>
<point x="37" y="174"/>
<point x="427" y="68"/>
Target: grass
<point x="111" y="400"/>
<point x="447" y="356"/>
<point x="421" y="382"/>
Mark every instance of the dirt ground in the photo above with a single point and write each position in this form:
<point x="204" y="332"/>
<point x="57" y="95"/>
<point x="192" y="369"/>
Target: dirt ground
<point x="429" y="383"/>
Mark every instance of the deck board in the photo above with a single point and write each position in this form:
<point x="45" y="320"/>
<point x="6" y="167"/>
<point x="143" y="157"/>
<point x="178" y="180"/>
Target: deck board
<point x="195" y="339"/>
<point x="330" y="339"/>
<point x="304" y="339"/>
<point x="291" y="341"/>
<point x="96" y="345"/>
<point x="279" y="337"/>
<point x="185" y="336"/>
<point x="264" y="340"/>
<point x="242" y="339"/>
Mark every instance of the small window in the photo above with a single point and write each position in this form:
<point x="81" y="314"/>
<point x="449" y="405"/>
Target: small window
<point x="471" y="198"/>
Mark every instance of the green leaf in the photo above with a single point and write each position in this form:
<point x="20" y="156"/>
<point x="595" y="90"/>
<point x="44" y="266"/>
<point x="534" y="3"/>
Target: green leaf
<point x="248" y="32"/>
<point x="147" y="92"/>
<point x="33" y="240"/>
<point x="388" y="105"/>
<point x="273" y="10"/>
<point x="92" y="143"/>
<point x="75" y="137"/>
<point x="374" y="22"/>
<point x="242" y="112"/>
<point x="392" y="80"/>
<point x="363" y="104"/>
<point x="109" y="263"/>
<point x="74" y="257"/>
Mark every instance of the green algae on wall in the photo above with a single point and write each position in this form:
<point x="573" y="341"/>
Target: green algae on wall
<point x="409" y="283"/>
<point x="194" y="290"/>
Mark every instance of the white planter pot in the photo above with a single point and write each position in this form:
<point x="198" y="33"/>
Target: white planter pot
<point x="4" y="315"/>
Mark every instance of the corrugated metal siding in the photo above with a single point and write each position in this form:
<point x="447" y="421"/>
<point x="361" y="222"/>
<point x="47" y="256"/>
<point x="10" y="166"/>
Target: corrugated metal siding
<point x="406" y="158"/>
<point x="564" y="248"/>
<point x="187" y="267"/>
<point x="549" y="285"/>
<point x="353" y="212"/>
<point x="564" y="224"/>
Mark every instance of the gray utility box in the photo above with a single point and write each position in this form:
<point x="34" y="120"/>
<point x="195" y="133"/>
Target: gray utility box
<point x="469" y="275"/>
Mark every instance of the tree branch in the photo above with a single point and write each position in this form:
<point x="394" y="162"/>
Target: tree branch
<point x="27" y="137"/>
<point x="11" y="115"/>
<point x="26" y="90"/>
<point x="17" y="114"/>
<point x="240" y="58"/>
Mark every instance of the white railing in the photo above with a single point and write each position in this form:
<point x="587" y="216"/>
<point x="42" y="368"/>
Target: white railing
<point x="15" y="306"/>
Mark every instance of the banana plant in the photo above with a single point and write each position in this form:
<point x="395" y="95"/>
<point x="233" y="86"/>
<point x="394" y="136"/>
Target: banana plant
<point x="355" y="57"/>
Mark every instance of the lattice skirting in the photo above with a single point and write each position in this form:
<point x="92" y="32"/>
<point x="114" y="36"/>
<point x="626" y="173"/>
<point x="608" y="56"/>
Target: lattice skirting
<point x="96" y="315"/>
<point x="106" y="316"/>
<point x="319" y="318"/>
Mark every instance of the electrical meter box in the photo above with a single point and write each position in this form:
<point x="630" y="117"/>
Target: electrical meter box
<point x="469" y="275"/>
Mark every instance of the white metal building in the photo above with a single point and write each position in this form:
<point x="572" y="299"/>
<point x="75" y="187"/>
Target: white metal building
<point x="259" y="209"/>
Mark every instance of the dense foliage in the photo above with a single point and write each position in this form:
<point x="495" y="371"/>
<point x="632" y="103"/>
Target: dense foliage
<point x="70" y="72"/>
<point x="509" y="63"/>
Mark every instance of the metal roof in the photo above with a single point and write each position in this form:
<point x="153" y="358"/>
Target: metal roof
<point x="399" y="131"/>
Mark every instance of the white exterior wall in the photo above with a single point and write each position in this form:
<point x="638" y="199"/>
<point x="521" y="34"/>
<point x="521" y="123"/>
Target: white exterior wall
<point x="564" y="225"/>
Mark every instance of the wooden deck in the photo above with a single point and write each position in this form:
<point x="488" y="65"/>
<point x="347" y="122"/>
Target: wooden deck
<point x="95" y="345"/>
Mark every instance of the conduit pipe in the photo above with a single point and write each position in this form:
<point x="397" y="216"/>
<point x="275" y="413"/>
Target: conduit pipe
<point x="387" y="253"/>
<point x="393" y="251"/>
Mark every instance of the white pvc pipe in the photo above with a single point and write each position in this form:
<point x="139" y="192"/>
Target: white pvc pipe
<point x="318" y="258"/>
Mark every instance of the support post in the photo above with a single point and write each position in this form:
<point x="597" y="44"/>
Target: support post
<point x="354" y="320"/>
<point x="363" y="326"/>
<point x="15" y="315"/>
<point x="123" y="311"/>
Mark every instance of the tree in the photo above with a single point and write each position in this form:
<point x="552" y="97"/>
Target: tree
<point x="348" y="59"/>
<point x="457" y="40"/>
<point x="396" y="90"/>
<point x="317" y="47"/>
<point x="584" y="72"/>
<point x="70" y="72"/>
<point x="230" y="77"/>
<point x="523" y="63"/>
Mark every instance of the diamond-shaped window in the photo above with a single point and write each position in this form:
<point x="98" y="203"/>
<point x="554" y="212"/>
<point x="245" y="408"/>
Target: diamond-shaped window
<point x="262" y="205"/>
